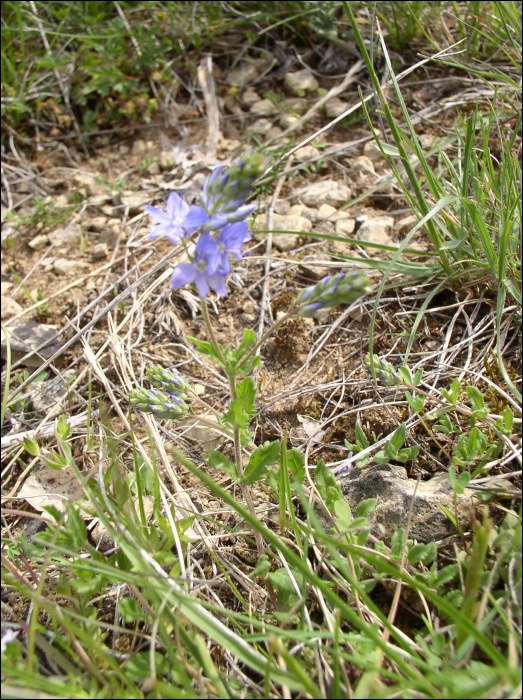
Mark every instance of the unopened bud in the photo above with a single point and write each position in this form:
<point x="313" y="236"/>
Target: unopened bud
<point x="383" y="371"/>
<point x="333" y="291"/>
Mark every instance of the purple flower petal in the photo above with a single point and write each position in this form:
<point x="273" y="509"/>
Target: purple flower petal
<point x="194" y="219"/>
<point x="158" y="215"/>
<point x="183" y="274"/>
<point x="176" y="207"/>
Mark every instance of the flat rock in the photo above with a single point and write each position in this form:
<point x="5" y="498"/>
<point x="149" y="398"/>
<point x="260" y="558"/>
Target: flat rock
<point x="263" y="108"/>
<point x="45" y="396"/>
<point x="312" y="268"/>
<point x="12" y="308"/>
<point x="100" y="251"/>
<point x="301" y="81"/>
<point x="307" y="153"/>
<point x="135" y="201"/>
<point x="69" y="234"/>
<point x="25" y="337"/>
<point x="288" y="222"/>
<point x="139" y="147"/>
<point x="206" y="437"/>
<point x="394" y="490"/>
<point x="261" y="127"/>
<point x="288" y="120"/>
<point x="166" y="161"/>
<point x="345" y="227"/>
<point x="97" y="224"/>
<point x="273" y="133"/>
<point x="362" y="164"/>
<point x="405" y="225"/>
<point x="249" y="97"/>
<point x="85" y="182"/>
<point x="39" y="242"/>
<point x="335" y="107"/>
<point x="325" y="192"/>
<point x="243" y="74"/>
<point x="64" y="266"/>
<point x="376" y="230"/>
<point x="326" y="211"/>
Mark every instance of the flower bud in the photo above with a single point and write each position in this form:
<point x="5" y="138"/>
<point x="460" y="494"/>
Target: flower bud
<point x="160" y="404"/>
<point x="168" y="381"/>
<point x="383" y="371"/>
<point x="332" y="291"/>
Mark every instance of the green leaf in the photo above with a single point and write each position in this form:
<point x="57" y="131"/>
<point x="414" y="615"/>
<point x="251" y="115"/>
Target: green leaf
<point x="449" y="514"/>
<point x="398" y="437"/>
<point x="219" y="461"/>
<point x="381" y="457"/>
<point x="396" y="543"/>
<point x="54" y="460"/>
<point x="138" y="668"/>
<point x="32" y="447"/>
<point x="343" y="511"/>
<point x="365" y="507"/>
<point x="249" y="339"/>
<point x="361" y="437"/>
<point x="130" y="610"/>
<point x="418" y="376"/>
<point x="262" y="567"/>
<point x="404" y="373"/>
<point x="62" y="428"/>
<point x="207" y="349"/>
<point x="76" y="529"/>
<point x="422" y="552"/>
<point x="261" y="458"/>
<point x="296" y="463"/>
<point x="326" y="484"/>
<point x="407" y="453"/>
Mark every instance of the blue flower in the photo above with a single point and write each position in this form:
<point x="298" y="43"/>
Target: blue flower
<point x="232" y="238"/>
<point x="178" y="221"/>
<point x="206" y="270"/>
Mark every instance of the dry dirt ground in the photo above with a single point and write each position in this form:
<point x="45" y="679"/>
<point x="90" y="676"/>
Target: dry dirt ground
<point x="80" y="248"/>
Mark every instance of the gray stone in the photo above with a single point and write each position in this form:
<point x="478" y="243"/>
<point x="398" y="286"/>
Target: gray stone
<point x="312" y="268"/>
<point x="66" y="267"/>
<point x="45" y="396"/>
<point x="325" y="212"/>
<point x="307" y="153"/>
<point x="135" y="201"/>
<point x="97" y="224"/>
<point x="261" y="127"/>
<point x="39" y="242"/>
<point x="335" y="107"/>
<point x="249" y="97"/>
<point x="153" y="168"/>
<point x="243" y="74"/>
<point x="394" y="491"/>
<point x="206" y="437"/>
<point x="325" y="192"/>
<point x="273" y="133"/>
<point x="288" y="120"/>
<point x="263" y="108"/>
<point x="25" y="337"/>
<point x="85" y="182"/>
<point x="376" y="230"/>
<point x="139" y="148"/>
<point x="301" y="81"/>
<point x="345" y="227"/>
<point x="362" y="164"/>
<point x="12" y="308"/>
<point x="166" y="160"/>
<point x="289" y="222"/>
<point x="69" y="234"/>
<point x="100" y="251"/>
<point x="405" y="225"/>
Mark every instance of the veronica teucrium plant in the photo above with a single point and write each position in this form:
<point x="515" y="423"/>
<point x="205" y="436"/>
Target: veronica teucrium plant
<point x="222" y="233"/>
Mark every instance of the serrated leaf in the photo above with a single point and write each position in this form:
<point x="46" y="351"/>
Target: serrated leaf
<point x="207" y="349"/>
<point x="249" y="339"/>
<point x="219" y="461"/>
<point x="262" y="567"/>
<point x="296" y="463"/>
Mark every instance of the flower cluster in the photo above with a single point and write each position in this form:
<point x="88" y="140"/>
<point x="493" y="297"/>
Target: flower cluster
<point x="387" y="372"/>
<point x="167" y="397"/>
<point x="332" y="291"/>
<point x="223" y="212"/>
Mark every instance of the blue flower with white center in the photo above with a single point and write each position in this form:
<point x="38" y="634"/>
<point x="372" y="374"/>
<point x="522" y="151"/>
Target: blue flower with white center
<point x="231" y="240"/>
<point x="179" y="219"/>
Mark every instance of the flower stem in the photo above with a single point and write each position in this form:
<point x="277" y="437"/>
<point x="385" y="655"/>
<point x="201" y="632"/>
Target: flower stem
<point x="238" y="447"/>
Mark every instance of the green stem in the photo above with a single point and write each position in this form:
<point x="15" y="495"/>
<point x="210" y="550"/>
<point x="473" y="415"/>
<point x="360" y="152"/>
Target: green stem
<point x="238" y="447"/>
